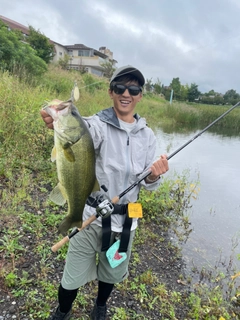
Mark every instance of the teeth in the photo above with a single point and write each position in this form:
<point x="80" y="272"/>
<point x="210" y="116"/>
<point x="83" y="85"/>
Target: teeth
<point x="125" y="102"/>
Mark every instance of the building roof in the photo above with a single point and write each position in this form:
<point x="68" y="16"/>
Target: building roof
<point x="14" y="25"/>
<point x="76" y="46"/>
<point x="81" y="46"/>
<point x="18" y="26"/>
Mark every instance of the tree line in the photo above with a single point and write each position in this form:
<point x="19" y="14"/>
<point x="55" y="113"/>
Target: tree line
<point x="30" y="55"/>
<point x="191" y="93"/>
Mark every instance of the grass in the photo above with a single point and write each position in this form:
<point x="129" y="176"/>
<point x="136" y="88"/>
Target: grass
<point x="27" y="176"/>
<point x="189" y="116"/>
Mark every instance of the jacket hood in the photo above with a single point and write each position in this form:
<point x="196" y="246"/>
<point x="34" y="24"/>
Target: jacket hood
<point x="109" y="116"/>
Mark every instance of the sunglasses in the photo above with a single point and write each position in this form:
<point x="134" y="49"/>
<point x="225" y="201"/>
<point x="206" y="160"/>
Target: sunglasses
<point x="120" y="89"/>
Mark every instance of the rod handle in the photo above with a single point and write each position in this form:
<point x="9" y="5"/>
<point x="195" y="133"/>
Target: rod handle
<point x="64" y="240"/>
<point x="59" y="244"/>
<point x="87" y="222"/>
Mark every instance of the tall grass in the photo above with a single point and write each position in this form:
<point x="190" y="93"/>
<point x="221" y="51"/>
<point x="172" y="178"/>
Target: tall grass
<point x="186" y="116"/>
<point x="24" y="139"/>
<point x="153" y="109"/>
<point x="22" y="135"/>
<point x="230" y="122"/>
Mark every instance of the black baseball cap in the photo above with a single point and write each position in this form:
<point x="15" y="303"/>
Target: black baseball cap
<point x="128" y="70"/>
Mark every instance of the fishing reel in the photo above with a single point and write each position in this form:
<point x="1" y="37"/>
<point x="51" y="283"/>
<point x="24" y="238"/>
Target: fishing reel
<point x="104" y="207"/>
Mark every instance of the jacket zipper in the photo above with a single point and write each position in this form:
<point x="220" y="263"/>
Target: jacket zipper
<point x="128" y="164"/>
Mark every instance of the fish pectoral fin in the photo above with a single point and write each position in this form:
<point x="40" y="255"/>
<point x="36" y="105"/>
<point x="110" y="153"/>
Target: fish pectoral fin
<point x="54" y="154"/>
<point x="69" y="155"/>
<point x="57" y="197"/>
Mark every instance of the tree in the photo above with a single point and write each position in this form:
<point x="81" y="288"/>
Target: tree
<point x="176" y="86"/>
<point x="64" y="62"/>
<point x="18" y="57"/>
<point x="193" y="92"/>
<point x="183" y="95"/>
<point x="108" y="69"/>
<point x="231" y="96"/>
<point x="149" y="85"/>
<point x="41" y="44"/>
<point x="157" y="87"/>
<point x="166" y="90"/>
<point x="218" y="99"/>
<point x="206" y="99"/>
<point x="210" y="93"/>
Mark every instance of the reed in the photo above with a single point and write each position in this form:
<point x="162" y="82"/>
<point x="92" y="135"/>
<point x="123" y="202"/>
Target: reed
<point x="210" y="113"/>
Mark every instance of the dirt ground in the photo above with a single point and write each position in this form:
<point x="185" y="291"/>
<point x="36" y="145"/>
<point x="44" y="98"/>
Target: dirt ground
<point x="153" y="255"/>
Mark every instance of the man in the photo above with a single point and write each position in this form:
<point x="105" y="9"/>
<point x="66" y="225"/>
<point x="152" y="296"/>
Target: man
<point x="125" y="148"/>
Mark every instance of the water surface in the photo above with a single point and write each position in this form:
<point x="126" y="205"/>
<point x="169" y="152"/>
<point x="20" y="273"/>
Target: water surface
<point x="215" y="215"/>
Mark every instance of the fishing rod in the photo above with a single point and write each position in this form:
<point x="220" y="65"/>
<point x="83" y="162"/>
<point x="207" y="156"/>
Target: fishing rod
<point x="58" y="245"/>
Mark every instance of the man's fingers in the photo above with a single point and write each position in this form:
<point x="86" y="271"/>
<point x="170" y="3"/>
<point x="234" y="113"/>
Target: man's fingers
<point x="43" y="113"/>
<point x="47" y="119"/>
<point x="160" y="166"/>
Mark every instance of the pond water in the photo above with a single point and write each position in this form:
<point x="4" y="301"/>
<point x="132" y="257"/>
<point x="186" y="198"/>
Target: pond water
<point x="215" y="215"/>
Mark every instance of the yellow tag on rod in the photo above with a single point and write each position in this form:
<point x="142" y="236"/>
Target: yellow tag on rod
<point x="135" y="210"/>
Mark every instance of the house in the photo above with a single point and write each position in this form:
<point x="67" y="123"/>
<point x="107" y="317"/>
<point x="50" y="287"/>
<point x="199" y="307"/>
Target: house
<point x="81" y="57"/>
<point x="85" y="58"/>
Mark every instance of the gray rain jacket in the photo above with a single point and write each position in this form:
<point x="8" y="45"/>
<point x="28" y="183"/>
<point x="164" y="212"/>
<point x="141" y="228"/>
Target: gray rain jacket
<point x="121" y="158"/>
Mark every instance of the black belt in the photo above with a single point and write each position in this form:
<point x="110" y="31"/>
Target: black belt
<point x="106" y="225"/>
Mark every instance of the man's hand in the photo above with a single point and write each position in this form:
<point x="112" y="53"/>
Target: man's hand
<point x="157" y="169"/>
<point x="47" y="119"/>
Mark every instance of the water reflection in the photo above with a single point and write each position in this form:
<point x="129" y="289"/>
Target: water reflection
<point x="215" y="215"/>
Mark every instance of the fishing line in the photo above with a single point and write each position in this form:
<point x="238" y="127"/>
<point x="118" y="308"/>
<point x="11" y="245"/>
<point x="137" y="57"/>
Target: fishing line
<point x="91" y="84"/>
<point x="122" y="74"/>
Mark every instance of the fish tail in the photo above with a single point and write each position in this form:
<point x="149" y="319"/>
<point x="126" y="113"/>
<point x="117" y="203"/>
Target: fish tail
<point x="66" y="224"/>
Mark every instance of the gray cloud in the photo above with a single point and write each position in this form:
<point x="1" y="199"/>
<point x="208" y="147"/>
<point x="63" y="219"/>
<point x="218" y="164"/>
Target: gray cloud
<point x="197" y="41"/>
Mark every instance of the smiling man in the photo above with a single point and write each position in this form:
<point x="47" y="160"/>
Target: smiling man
<point x="126" y="91"/>
<point x="125" y="148"/>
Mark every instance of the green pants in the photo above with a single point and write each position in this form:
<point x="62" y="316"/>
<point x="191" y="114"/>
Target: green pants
<point x="81" y="265"/>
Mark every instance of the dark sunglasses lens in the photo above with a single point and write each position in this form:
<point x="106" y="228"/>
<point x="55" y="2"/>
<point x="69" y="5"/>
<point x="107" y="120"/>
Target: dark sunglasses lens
<point x="134" y="90"/>
<point x="120" y="89"/>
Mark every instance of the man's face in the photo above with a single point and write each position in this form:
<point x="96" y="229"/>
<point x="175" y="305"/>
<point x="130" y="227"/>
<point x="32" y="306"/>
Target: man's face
<point x="124" y="100"/>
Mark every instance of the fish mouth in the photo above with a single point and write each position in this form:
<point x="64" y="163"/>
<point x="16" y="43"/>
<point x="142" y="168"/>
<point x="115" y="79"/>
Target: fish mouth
<point x="58" y="108"/>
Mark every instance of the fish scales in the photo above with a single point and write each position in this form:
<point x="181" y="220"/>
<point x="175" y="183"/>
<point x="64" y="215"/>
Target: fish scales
<point x="77" y="179"/>
<point x="75" y="159"/>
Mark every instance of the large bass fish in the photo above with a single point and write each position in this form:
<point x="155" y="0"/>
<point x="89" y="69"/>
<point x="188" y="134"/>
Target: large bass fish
<point x="75" y="159"/>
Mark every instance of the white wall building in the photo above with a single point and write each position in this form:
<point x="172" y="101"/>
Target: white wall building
<point x="81" y="57"/>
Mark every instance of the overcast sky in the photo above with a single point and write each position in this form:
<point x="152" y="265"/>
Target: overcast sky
<point x="195" y="40"/>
